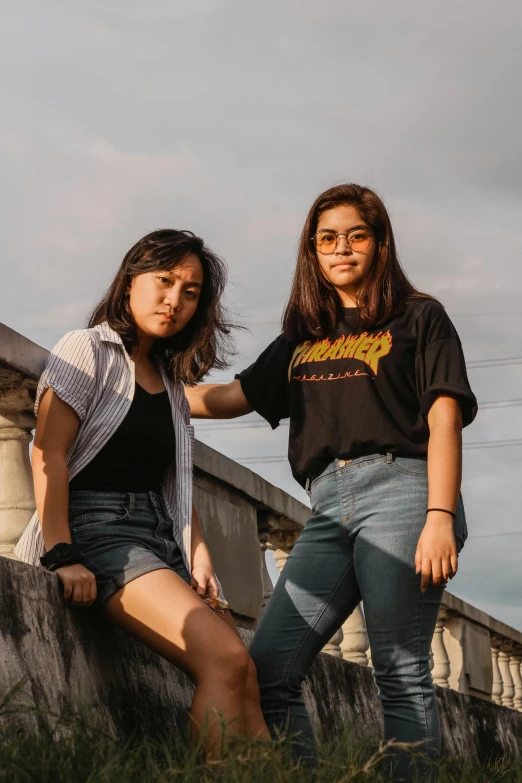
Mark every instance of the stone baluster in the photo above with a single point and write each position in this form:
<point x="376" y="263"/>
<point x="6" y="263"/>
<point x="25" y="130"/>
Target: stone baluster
<point x="334" y="645"/>
<point x="498" y="686"/>
<point x="504" y="657"/>
<point x="515" y="665"/>
<point x="355" y="639"/>
<point x="16" y="483"/>
<point x="441" y="665"/>
<point x="281" y="543"/>
<point x="268" y="587"/>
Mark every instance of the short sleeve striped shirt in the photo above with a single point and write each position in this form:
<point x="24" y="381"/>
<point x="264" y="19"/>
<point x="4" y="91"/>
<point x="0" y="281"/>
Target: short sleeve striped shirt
<point x="90" y="370"/>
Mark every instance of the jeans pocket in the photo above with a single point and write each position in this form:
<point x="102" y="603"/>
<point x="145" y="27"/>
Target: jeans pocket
<point x="81" y="519"/>
<point x="410" y="466"/>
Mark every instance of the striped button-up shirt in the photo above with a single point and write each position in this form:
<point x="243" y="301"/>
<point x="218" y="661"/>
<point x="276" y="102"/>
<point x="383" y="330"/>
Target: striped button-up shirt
<point x="90" y="370"/>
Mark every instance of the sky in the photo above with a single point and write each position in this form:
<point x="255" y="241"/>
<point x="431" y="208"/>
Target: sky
<point x="228" y="117"/>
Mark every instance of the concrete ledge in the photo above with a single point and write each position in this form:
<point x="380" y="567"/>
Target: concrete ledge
<point x="73" y="657"/>
<point x="482" y="618"/>
<point x="253" y="486"/>
<point x="20" y="355"/>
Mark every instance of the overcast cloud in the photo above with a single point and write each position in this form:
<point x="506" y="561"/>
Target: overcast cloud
<point x="228" y="118"/>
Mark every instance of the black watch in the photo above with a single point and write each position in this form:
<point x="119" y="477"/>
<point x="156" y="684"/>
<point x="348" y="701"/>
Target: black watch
<point x="61" y="555"/>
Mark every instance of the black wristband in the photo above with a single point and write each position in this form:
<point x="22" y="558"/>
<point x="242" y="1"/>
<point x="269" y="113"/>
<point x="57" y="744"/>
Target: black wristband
<point x="445" y="510"/>
<point x="61" y="555"/>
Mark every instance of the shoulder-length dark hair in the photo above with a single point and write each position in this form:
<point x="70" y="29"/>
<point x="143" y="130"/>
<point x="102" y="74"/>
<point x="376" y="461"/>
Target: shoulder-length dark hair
<point x="204" y="343"/>
<point x="313" y="305"/>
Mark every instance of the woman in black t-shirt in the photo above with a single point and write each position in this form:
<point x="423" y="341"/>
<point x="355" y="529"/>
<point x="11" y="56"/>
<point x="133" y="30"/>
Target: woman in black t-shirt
<point x="372" y="375"/>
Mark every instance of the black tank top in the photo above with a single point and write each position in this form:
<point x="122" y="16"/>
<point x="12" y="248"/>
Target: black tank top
<point x="138" y="454"/>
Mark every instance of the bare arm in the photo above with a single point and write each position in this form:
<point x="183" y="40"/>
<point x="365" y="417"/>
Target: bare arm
<point x="217" y="400"/>
<point x="203" y="575"/>
<point x="436" y="554"/>
<point x="56" y="429"/>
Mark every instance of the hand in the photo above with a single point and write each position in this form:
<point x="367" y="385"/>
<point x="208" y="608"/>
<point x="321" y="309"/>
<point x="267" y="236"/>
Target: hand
<point x="79" y="584"/>
<point x="436" y="554"/>
<point x="203" y="577"/>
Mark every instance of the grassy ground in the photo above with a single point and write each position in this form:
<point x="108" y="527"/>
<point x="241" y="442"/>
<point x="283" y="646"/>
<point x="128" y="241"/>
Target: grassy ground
<point x="75" y="752"/>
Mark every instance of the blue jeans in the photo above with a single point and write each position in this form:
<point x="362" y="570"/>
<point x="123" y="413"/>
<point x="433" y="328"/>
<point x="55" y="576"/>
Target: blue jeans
<point x="359" y="544"/>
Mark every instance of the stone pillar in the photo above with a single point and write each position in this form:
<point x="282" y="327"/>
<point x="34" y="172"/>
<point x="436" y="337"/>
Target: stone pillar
<point x="333" y="647"/>
<point x="16" y="481"/>
<point x="504" y="657"/>
<point x="268" y="587"/>
<point x="355" y="639"/>
<point x="281" y="542"/>
<point x="498" y="686"/>
<point x="441" y="665"/>
<point x="468" y="646"/>
<point x="514" y="667"/>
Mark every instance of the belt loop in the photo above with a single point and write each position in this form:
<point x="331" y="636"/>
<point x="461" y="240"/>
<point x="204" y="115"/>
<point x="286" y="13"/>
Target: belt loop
<point x="132" y="501"/>
<point x="389" y="457"/>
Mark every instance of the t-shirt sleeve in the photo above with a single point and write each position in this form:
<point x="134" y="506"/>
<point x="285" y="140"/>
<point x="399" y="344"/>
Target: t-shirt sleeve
<point x="71" y="372"/>
<point x="440" y="367"/>
<point x="265" y="383"/>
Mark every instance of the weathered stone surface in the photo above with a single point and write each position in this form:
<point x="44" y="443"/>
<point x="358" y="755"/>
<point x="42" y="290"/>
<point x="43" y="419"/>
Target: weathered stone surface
<point x="229" y="523"/>
<point x="21" y="360"/>
<point x="75" y="657"/>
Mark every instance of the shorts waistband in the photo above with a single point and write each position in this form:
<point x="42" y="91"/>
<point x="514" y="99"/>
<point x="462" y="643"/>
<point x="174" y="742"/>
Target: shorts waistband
<point x="130" y="500"/>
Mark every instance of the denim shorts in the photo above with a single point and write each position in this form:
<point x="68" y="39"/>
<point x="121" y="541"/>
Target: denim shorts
<point x="123" y="535"/>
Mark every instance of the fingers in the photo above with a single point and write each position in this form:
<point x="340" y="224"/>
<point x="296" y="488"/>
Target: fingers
<point x="205" y="584"/>
<point x="79" y="588"/>
<point x="94" y="591"/>
<point x="67" y="590"/>
<point x="436" y="572"/>
<point x="425" y="574"/>
<point x="213" y="587"/>
<point x="454" y="564"/>
<point x="418" y="560"/>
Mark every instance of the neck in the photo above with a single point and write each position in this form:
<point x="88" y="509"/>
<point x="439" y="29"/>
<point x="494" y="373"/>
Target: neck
<point x="348" y="296"/>
<point x="140" y="352"/>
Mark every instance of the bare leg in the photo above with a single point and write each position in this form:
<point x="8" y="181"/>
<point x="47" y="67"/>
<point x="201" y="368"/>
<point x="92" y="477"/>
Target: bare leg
<point x="166" y="615"/>
<point x="255" y="725"/>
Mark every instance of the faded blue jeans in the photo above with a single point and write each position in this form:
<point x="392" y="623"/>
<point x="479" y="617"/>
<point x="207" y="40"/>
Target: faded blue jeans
<point x="359" y="544"/>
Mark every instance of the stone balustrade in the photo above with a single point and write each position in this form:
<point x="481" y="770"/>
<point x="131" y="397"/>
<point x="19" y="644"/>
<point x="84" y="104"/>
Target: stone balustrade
<point x="244" y="517"/>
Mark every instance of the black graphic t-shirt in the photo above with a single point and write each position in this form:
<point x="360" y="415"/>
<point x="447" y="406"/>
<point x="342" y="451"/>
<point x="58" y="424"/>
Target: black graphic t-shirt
<point x="361" y="391"/>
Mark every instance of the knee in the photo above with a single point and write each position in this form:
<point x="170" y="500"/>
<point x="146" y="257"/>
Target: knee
<point x="251" y="684"/>
<point x="234" y="664"/>
<point x="398" y="679"/>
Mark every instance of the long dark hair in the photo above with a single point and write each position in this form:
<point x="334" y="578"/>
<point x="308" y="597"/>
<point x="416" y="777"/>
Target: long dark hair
<point x="313" y="305"/>
<point x="204" y="343"/>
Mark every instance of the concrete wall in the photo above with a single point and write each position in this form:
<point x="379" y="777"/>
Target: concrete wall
<point x="73" y="657"/>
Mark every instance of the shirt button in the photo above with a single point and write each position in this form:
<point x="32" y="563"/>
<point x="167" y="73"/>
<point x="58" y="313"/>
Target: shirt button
<point x="342" y="463"/>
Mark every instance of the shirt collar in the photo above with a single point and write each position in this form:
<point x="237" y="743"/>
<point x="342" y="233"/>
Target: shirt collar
<point x="108" y="334"/>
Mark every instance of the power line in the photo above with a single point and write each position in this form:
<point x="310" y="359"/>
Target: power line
<point x="483" y="315"/>
<point x="494" y="535"/>
<point x="492" y="444"/>
<point x="478" y="445"/>
<point x="499" y="404"/>
<point x="220" y="424"/>
<point x="479" y="363"/>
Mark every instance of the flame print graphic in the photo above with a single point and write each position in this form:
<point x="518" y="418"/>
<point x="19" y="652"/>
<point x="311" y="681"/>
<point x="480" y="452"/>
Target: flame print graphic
<point x="368" y="348"/>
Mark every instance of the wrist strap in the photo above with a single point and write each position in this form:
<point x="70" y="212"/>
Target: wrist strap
<point x="445" y="510"/>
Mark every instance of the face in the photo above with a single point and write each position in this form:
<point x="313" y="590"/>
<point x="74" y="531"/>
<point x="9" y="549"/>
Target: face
<point x="345" y="268"/>
<point x="164" y="301"/>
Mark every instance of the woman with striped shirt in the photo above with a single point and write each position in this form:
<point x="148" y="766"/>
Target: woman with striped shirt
<point x="112" y="468"/>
